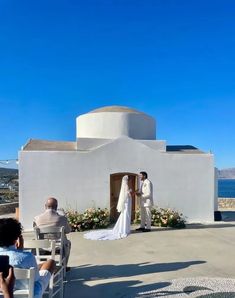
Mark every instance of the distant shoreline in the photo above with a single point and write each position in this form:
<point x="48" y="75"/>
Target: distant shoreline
<point x="226" y="204"/>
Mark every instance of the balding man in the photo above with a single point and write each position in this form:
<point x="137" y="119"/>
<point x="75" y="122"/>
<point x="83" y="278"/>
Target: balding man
<point x="51" y="218"/>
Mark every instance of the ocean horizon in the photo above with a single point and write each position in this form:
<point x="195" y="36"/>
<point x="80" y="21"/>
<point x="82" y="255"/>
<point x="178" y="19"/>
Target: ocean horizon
<point x="226" y="188"/>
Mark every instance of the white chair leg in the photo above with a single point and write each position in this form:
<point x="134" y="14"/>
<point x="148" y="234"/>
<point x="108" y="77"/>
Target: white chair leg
<point x="64" y="271"/>
<point x="51" y="285"/>
<point x="62" y="287"/>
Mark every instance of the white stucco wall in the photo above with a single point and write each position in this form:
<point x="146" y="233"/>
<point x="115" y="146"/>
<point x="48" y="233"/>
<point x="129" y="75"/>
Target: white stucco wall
<point x="82" y="180"/>
<point x="111" y="125"/>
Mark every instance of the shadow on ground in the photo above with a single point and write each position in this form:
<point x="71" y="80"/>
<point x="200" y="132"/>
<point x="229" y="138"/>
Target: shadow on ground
<point x="81" y="278"/>
<point x="227" y="221"/>
<point x="192" y="226"/>
<point x="209" y="226"/>
<point x="120" y="289"/>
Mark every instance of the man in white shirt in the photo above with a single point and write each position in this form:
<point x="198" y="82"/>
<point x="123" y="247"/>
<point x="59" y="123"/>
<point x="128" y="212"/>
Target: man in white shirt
<point x="146" y="202"/>
<point x="12" y="245"/>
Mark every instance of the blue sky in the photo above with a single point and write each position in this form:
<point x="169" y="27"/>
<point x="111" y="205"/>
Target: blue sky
<point x="173" y="60"/>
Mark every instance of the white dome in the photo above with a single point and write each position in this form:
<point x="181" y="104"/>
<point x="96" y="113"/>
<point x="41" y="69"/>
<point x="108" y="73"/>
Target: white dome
<point x="115" y="121"/>
<point x="115" y="109"/>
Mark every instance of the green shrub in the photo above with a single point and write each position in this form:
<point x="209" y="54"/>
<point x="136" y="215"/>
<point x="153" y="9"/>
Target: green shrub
<point x="164" y="218"/>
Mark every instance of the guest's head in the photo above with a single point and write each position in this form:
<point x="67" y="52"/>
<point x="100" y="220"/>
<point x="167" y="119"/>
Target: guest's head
<point x="143" y="176"/>
<point x="51" y="203"/>
<point x="10" y="231"/>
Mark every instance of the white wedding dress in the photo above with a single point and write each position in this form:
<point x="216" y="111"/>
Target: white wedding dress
<point x="122" y="227"/>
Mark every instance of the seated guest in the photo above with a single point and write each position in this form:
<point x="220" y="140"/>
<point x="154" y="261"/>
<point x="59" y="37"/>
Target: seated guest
<point x="11" y="244"/>
<point x="51" y="218"/>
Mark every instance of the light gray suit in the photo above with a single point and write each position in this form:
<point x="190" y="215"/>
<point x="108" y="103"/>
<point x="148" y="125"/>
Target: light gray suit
<point x="146" y="202"/>
<point x="51" y="218"/>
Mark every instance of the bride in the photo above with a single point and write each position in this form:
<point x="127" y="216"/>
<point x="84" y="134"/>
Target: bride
<point x="122" y="227"/>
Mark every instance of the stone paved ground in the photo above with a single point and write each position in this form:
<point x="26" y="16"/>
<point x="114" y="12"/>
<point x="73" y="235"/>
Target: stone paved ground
<point x="195" y="262"/>
<point x="193" y="287"/>
<point x="198" y="261"/>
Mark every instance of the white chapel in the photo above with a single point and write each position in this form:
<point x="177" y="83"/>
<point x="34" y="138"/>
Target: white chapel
<point x="113" y="141"/>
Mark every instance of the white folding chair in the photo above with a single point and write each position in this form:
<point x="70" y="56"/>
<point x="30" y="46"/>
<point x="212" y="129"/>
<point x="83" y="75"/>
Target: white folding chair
<point x="57" y="234"/>
<point x="29" y="276"/>
<point x="56" y="284"/>
<point x="38" y="246"/>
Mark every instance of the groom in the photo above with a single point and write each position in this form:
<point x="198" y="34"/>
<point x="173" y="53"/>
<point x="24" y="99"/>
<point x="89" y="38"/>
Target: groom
<point x="146" y="202"/>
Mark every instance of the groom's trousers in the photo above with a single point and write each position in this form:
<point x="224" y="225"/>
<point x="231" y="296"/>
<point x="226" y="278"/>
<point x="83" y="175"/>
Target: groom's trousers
<point x="145" y="216"/>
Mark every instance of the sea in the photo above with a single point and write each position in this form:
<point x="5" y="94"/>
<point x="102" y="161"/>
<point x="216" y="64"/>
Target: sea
<point x="226" y="188"/>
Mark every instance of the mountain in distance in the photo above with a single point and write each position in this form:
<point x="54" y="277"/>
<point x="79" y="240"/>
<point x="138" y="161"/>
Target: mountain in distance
<point x="222" y="174"/>
<point x="226" y="173"/>
<point x="8" y="172"/>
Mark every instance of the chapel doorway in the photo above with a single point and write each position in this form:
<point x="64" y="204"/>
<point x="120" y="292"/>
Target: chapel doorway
<point x="115" y="186"/>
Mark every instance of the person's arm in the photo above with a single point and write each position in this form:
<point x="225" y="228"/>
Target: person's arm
<point x="137" y="192"/>
<point x="64" y="222"/>
<point x="67" y="228"/>
<point x="7" y="284"/>
<point x="130" y="192"/>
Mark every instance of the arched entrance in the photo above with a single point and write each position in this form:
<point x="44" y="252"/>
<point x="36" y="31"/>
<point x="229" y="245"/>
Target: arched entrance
<point x="115" y="185"/>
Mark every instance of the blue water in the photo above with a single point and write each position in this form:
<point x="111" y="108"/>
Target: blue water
<point x="226" y="188"/>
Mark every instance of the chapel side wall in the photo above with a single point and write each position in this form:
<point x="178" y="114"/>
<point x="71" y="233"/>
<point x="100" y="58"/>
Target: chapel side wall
<point x="82" y="180"/>
<point x="72" y="178"/>
<point x="187" y="185"/>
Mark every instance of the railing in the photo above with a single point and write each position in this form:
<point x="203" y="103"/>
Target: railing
<point x="8" y="208"/>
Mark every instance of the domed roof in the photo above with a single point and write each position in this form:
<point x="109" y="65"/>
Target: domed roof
<point x="113" y="122"/>
<point x="116" y="109"/>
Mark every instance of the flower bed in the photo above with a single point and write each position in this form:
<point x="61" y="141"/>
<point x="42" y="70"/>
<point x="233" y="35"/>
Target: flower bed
<point x="91" y="219"/>
<point x="98" y="218"/>
<point x="164" y="218"/>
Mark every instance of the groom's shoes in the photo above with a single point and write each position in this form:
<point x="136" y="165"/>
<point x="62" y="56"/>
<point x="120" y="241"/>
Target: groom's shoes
<point x="140" y="229"/>
<point x="146" y="230"/>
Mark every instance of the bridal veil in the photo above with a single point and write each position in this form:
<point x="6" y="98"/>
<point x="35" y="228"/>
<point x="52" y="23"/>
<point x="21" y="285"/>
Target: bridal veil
<point x="123" y="195"/>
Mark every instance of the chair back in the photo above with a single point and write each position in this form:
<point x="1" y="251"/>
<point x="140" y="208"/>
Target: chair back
<point x="25" y="274"/>
<point x="50" y="232"/>
<point x="56" y="281"/>
<point x="53" y="233"/>
<point x="39" y="246"/>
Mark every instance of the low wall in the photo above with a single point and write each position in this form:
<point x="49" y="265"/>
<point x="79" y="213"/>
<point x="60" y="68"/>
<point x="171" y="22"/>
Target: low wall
<point x="226" y="203"/>
<point x="8" y="208"/>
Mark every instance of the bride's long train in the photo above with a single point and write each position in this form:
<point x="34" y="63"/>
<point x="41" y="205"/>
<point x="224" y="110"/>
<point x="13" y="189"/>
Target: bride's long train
<point x="121" y="229"/>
